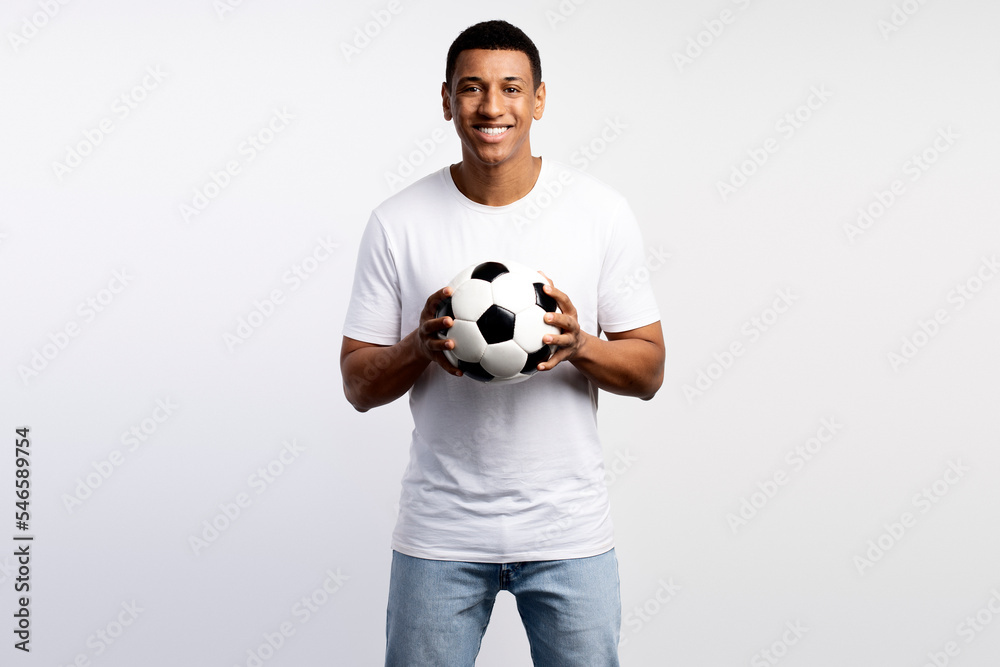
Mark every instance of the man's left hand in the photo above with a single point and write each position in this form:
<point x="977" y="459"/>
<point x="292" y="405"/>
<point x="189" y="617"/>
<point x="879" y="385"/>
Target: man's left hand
<point x="571" y="340"/>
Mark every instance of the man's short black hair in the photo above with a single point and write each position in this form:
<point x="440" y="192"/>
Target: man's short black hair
<point x="494" y="36"/>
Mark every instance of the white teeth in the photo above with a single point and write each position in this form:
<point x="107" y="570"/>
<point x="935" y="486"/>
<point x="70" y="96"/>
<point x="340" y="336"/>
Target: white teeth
<point x="492" y="130"/>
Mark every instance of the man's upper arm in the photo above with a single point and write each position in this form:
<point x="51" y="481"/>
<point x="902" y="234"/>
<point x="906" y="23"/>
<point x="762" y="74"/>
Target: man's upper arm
<point x="652" y="333"/>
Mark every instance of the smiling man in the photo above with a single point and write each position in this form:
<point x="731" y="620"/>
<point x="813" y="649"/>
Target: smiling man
<point x="505" y="487"/>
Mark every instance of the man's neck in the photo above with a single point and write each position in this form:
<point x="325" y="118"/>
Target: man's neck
<point x="499" y="185"/>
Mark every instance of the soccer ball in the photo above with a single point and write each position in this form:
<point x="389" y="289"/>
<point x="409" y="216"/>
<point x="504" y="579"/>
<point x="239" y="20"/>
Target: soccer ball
<point x="499" y="310"/>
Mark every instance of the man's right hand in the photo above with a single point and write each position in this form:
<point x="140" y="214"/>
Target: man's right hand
<point x="378" y="374"/>
<point x="428" y="343"/>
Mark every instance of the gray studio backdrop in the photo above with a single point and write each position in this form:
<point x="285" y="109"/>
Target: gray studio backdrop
<point x="182" y="190"/>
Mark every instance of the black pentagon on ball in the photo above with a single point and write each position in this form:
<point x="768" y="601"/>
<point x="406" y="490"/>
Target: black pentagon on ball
<point x="444" y="310"/>
<point x="496" y="324"/>
<point x="544" y="301"/>
<point x="538" y="356"/>
<point x="474" y="370"/>
<point x="489" y="271"/>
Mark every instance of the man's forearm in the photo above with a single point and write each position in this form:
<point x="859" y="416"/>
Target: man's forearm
<point x="630" y="367"/>
<point x="376" y="375"/>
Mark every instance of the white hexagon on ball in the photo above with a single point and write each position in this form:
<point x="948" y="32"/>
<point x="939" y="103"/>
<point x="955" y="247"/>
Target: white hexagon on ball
<point x="462" y="277"/>
<point x="530" y="328"/>
<point x="471" y="299"/>
<point x="469" y="342"/>
<point x="514" y="291"/>
<point x="504" y="360"/>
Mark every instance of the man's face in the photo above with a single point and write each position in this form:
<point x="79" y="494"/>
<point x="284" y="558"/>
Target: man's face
<point x="493" y="101"/>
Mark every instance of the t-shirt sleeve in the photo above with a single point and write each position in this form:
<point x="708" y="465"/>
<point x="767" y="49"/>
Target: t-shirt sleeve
<point x="374" y="311"/>
<point x="625" y="295"/>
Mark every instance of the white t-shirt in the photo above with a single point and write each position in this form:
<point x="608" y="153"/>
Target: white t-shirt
<point x="511" y="472"/>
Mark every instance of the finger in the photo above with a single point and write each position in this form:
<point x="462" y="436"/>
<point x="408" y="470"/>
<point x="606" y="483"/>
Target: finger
<point x="546" y="277"/>
<point x="560" y="355"/>
<point x="431" y="305"/>
<point x="438" y="324"/>
<point x="565" y="322"/>
<point x="446" y="365"/>
<point x="559" y="340"/>
<point x="441" y="293"/>
<point x="435" y="344"/>
<point x="565" y="305"/>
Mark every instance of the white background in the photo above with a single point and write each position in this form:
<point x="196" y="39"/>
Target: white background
<point x="698" y="588"/>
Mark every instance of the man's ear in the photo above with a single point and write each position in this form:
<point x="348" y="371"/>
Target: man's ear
<point x="446" y="101"/>
<point x="539" y="101"/>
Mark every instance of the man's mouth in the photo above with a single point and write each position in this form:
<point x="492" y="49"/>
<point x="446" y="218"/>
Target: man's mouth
<point x="493" y="131"/>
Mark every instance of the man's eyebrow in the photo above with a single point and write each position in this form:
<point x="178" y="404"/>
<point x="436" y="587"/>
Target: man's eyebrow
<point x="478" y="79"/>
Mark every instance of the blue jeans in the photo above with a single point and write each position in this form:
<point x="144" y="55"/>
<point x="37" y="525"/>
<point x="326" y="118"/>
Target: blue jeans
<point x="438" y="610"/>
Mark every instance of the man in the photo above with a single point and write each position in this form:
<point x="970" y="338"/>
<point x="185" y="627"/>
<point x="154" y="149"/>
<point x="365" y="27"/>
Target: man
<point x="505" y="487"/>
